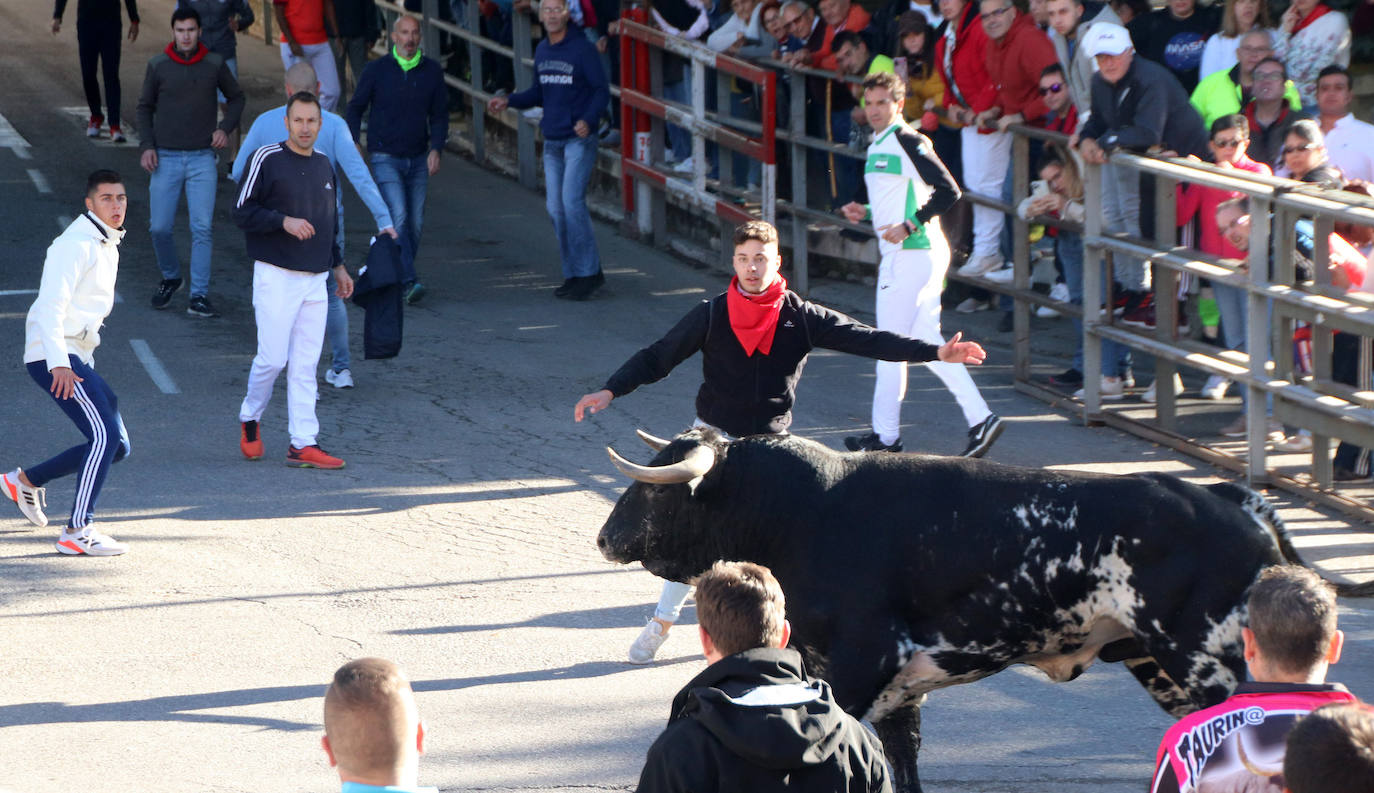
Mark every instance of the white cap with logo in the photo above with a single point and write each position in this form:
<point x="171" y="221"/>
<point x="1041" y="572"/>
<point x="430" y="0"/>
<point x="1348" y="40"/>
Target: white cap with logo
<point x="1107" y="39"/>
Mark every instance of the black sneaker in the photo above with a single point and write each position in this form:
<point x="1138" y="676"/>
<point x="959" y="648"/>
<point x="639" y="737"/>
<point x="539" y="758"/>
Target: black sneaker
<point x="870" y="443"/>
<point x="982" y="436"/>
<point x="200" y="307"/>
<point x="586" y="285"/>
<point x="569" y="284"/>
<point x="1069" y="378"/>
<point x="165" y="290"/>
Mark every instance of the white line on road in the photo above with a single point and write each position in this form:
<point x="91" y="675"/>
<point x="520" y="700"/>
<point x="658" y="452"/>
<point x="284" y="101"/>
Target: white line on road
<point x="63" y="221"/>
<point x="40" y="181"/>
<point x="16" y="292"/>
<point x="150" y="362"/>
<point x="12" y="140"/>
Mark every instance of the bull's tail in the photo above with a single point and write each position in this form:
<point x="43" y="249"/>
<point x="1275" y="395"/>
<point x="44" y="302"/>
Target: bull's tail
<point x="1263" y="512"/>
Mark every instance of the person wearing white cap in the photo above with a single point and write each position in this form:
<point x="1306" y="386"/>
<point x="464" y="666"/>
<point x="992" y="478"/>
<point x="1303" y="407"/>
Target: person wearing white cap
<point x="1137" y="105"/>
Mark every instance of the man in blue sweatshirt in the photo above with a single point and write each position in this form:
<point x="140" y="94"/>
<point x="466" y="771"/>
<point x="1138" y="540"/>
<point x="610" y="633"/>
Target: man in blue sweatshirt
<point x="572" y="89"/>
<point x="407" y="127"/>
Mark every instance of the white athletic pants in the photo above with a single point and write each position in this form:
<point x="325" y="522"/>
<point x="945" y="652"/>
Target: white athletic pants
<point x="909" y="286"/>
<point x="985" y="168"/>
<point x="290" y="307"/>
<point x="321" y="58"/>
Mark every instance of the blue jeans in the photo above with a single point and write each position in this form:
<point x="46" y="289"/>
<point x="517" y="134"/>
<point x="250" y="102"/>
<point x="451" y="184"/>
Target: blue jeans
<point x="402" y="182"/>
<point x="568" y="168"/>
<point x="1116" y="357"/>
<point x="336" y="326"/>
<point x="847" y="169"/>
<point x="679" y="139"/>
<point x="1233" y="303"/>
<point x="194" y="171"/>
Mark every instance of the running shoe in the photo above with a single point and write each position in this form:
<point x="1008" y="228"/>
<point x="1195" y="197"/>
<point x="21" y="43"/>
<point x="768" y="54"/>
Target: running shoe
<point x="165" y="289"/>
<point x="647" y="643"/>
<point x="89" y="542"/>
<point x="340" y="379"/>
<point x="414" y="292"/>
<point x="200" y="306"/>
<point x="93" y="127"/>
<point x="871" y="443"/>
<point x="250" y="440"/>
<point x="981" y="436"/>
<point x="117" y="134"/>
<point x="312" y="457"/>
<point x="31" y="500"/>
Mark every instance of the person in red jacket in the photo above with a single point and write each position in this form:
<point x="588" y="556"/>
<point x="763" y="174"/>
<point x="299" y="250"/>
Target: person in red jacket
<point x="961" y="57"/>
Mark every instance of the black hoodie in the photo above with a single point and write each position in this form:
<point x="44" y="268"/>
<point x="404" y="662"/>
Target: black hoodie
<point x="753" y="721"/>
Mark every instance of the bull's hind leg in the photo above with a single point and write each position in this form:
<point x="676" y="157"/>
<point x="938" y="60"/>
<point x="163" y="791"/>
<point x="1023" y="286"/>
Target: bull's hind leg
<point x="1166" y="692"/>
<point x="900" y="732"/>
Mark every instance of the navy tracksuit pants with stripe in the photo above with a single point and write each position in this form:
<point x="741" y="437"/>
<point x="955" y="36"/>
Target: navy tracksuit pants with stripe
<point x="94" y="409"/>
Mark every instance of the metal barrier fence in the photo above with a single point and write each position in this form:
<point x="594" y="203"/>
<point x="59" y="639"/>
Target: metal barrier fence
<point x="1315" y="402"/>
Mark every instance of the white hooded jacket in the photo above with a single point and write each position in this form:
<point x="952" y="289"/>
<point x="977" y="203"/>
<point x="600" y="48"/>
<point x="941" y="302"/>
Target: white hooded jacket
<point x="75" y="295"/>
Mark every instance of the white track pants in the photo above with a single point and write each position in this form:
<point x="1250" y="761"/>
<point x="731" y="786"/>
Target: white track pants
<point x="985" y="169"/>
<point x="290" y="307"/>
<point x="909" y="286"/>
<point x="321" y="58"/>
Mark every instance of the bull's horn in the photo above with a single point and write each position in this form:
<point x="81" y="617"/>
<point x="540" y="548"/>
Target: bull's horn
<point x="652" y="441"/>
<point x="697" y="462"/>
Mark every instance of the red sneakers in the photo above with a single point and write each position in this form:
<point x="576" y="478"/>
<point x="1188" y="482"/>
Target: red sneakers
<point x="312" y="457"/>
<point x="250" y="442"/>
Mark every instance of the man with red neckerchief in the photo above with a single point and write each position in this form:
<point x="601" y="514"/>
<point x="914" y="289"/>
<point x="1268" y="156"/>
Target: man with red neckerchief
<point x="754" y="339"/>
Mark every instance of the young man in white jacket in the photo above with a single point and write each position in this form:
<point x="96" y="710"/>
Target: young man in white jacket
<point x="60" y="336"/>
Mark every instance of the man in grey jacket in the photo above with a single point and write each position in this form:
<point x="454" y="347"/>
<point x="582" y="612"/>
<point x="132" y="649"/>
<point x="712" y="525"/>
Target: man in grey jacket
<point x="1068" y="31"/>
<point x="176" y="118"/>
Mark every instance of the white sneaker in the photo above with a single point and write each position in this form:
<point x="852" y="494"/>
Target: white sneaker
<point x="31" y="500"/>
<point x="647" y="643"/>
<point x="1060" y="292"/>
<point x="683" y="167"/>
<point x="90" y="542"/>
<point x="1111" y="389"/>
<point x="1150" y="394"/>
<point x="981" y="265"/>
<point x="1215" y="388"/>
<point x="1003" y="276"/>
<point x="340" y="379"/>
<point x="972" y="305"/>
<point x="1300" y="443"/>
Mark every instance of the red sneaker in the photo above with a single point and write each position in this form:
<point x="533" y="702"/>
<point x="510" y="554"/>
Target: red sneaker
<point x="250" y="442"/>
<point x="312" y="457"/>
<point x="1142" y="316"/>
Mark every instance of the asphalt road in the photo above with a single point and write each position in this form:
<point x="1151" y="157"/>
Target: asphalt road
<point x="458" y="540"/>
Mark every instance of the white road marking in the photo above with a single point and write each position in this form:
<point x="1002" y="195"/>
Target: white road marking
<point x="12" y="140"/>
<point x="83" y="114"/>
<point x="16" y="292"/>
<point x="63" y="221"/>
<point x="40" y="181"/>
<point x="161" y="379"/>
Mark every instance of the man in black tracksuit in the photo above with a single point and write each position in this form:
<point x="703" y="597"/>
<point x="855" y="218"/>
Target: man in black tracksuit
<point x="753" y="720"/>
<point x="744" y="393"/>
<point x="98" y="34"/>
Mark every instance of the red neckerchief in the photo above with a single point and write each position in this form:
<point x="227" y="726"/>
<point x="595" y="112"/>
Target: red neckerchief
<point x="201" y="51"/>
<point x="1321" y="10"/>
<point x="754" y="318"/>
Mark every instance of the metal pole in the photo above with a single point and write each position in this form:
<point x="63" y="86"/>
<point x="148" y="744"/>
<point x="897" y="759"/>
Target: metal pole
<point x="524" y="78"/>
<point x="698" y="112"/>
<point x="429" y="35"/>
<point x="1092" y="291"/>
<point x="1166" y="302"/>
<point x="479" y="110"/>
<point x="1020" y="321"/>
<point x="796" y="101"/>
<point x="1257" y="339"/>
<point x="655" y="200"/>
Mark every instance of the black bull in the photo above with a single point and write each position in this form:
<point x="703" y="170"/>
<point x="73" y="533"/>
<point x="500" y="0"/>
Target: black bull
<point x="908" y="573"/>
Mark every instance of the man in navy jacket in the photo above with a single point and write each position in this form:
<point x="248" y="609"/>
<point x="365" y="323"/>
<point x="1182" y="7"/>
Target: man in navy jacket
<point x="571" y="87"/>
<point x="407" y="127"/>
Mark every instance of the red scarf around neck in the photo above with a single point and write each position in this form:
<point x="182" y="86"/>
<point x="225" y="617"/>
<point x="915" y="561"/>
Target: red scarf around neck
<point x="1316" y="13"/>
<point x="201" y="52"/>
<point x="754" y="318"/>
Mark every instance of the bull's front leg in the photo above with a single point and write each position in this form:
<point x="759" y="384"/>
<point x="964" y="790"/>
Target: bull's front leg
<point x="900" y="732"/>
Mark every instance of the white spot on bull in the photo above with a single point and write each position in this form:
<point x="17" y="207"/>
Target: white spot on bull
<point x="919" y="676"/>
<point x="1224" y="637"/>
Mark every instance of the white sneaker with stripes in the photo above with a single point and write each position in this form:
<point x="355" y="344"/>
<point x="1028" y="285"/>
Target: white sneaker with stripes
<point x="89" y="542"/>
<point x="31" y="500"/>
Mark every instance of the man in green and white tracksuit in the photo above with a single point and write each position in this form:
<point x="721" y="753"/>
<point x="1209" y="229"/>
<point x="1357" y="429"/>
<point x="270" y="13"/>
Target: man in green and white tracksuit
<point x="908" y="188"/>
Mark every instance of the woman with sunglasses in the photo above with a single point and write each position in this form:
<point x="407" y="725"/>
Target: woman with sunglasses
<point x="1305" y="159"/>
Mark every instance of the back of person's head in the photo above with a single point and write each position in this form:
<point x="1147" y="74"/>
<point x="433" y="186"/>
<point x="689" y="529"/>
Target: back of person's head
<point x="371" y="724"/>
<point x="1293" y="617"/>
<point x="760" y="230"/>
<point x="740" y="605"/>
<point x="301" y="79"/>
<point x="1331" y="750"/>
<point x="100" y="177"/>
